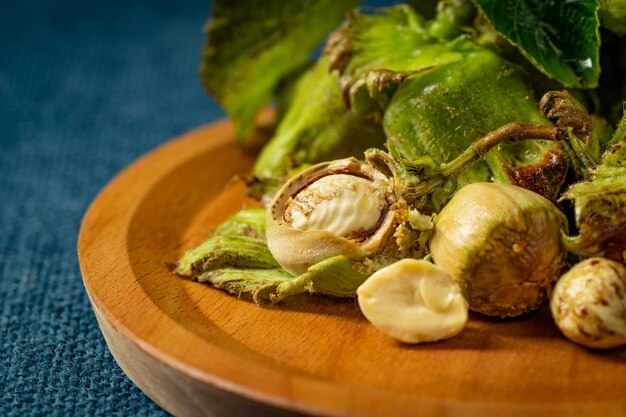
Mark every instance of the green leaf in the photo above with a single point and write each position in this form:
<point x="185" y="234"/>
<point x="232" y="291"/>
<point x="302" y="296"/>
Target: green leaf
<point x="619" y="137"/>
<point x="335" y="276"/>
<point x="561" y="38"/>
<point x="218" y="251"/>
<point x="382" y="49"/>
<point x="252" y="44"/>
<point x="613" y="15"/>
<point x="318" y="127"/>
<point x="246" y="283"/>
<point x="236" y="259"/>
<point x="239" y="241"/>
<point x="247" y="222"/>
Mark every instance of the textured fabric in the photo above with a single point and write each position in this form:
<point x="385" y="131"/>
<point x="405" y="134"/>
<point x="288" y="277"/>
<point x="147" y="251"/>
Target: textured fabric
<point x="85" y="89"/>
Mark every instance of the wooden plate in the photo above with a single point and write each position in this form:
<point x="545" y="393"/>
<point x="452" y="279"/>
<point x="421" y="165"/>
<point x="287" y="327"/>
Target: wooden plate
<point x="197" y="351"/>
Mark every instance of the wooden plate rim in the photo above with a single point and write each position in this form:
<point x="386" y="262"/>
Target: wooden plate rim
<point x="311" y="391"/>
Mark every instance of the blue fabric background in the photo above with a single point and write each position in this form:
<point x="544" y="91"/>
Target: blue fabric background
<point x="86" y="87"/>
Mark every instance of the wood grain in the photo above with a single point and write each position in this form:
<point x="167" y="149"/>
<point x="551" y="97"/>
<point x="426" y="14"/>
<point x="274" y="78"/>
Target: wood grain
<point x="198" y="351"/>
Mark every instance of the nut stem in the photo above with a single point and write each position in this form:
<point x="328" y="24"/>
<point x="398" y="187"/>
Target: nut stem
<point x="514" y="132"/>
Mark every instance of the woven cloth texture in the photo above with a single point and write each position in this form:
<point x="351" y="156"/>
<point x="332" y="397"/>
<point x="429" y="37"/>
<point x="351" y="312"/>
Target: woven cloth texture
<point x="85" y="89"/>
